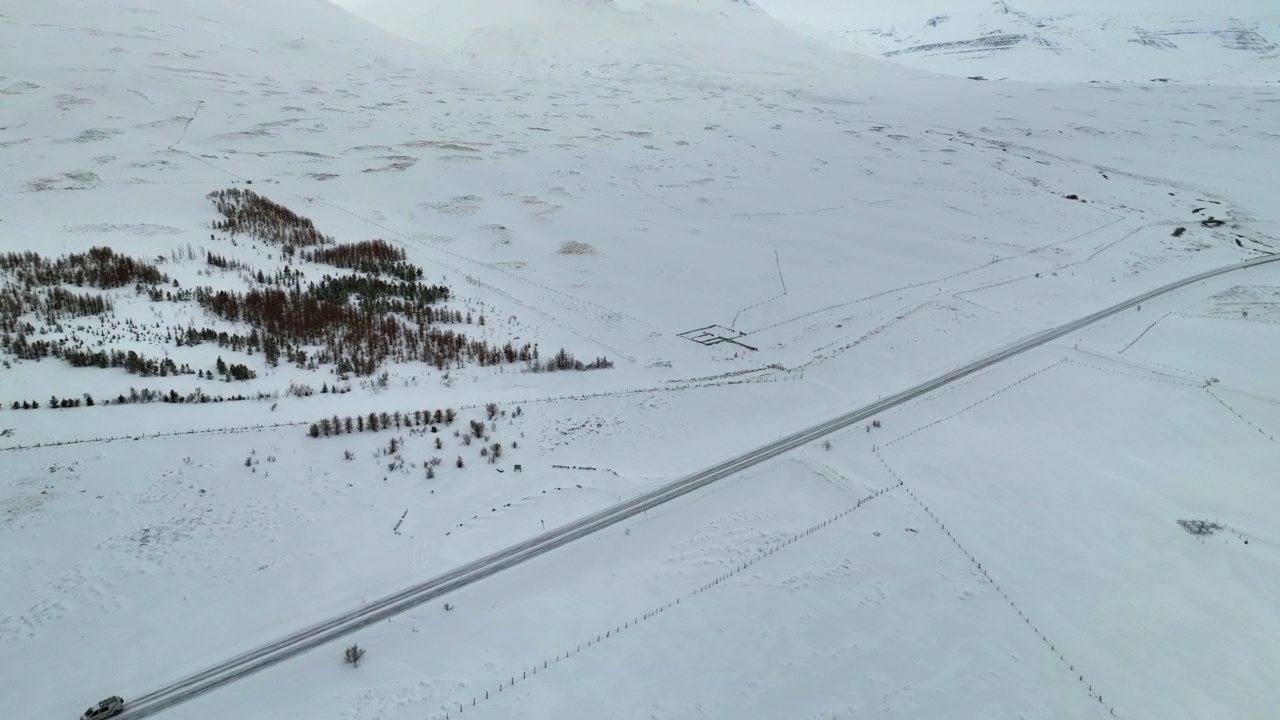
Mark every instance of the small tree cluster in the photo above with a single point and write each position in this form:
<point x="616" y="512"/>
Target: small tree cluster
<point x="131" y="361"/>
<point x="375" y="422"/>
<point x="51" y="304"/>
<point x="235" y="371"/>
<point x="219" y="261"/>
<point x="197" y="396"/>
<point x="564" y="360"/>
<point x="375" y="257"/>
<point x="55" y="403"/>
<point x="247" y="212"/>
<point x="101" y="267"/>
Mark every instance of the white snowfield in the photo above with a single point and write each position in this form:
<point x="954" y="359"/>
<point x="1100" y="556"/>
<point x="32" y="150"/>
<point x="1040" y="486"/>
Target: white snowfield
<point x="761" y="231"/>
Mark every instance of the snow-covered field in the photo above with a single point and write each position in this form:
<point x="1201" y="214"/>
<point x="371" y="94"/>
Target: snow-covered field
<point x="759" y="231"/>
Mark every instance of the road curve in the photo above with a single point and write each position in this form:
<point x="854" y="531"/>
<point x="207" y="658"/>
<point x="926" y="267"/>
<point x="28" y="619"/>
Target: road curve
<point x="367" y="614"/>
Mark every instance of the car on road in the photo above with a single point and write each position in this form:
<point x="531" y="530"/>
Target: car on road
<point x="110" y="707"/>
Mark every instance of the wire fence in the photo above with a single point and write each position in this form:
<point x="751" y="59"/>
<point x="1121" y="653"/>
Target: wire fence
<point x="986" y="575"/>
<point x="457" y="708"/>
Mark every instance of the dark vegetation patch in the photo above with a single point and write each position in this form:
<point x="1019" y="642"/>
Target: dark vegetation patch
<point x="246" y="212"/>
<point x="379" y="313"/>
<point x="375" y="257"/>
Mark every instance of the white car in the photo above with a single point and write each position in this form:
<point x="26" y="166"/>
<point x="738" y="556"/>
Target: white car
<point x="110" y="707"/>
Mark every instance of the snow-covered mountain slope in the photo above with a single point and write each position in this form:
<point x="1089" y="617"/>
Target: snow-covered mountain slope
<point x="728" y="34"/>
<point x="1234" y="41"/>
<point x="758" y="243"/>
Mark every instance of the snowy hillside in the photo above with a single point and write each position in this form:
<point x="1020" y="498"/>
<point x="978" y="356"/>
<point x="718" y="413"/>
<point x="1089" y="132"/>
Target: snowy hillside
<point x="283" y="300"/>
<point x="1235" y="41"/>
<point x="703" y="34"/>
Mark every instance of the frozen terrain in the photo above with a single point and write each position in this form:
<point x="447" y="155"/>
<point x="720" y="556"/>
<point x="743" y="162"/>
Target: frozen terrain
<point x="1235" y="41"/>
<point x="759" y="230"/>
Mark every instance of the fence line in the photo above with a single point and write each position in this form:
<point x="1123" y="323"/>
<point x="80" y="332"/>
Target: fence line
<point x="469" y="406"/>
<point x="1235" y="412"/>
<point x="1151" y="377"/>
<point x="617" y="629"/>
<point x="976" y="403"/>
<point x="873" y="296"/>
<point x="1053" y="647"/>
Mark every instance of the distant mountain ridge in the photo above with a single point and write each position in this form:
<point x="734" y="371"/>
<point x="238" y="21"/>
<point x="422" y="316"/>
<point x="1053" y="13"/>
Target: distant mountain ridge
<point x="1230" y="41"/>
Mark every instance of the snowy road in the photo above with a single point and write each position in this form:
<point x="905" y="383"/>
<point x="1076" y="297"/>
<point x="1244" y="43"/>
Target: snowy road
<point x="308" y="638"/>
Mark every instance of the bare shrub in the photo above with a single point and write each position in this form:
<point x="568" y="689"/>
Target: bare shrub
<point x="353" y="655"/>
<point x="574" y="247"/>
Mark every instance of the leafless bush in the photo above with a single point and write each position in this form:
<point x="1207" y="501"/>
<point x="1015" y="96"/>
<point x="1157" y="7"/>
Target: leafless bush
<point x="574" y="247"/>
<point x="353" y="655"/>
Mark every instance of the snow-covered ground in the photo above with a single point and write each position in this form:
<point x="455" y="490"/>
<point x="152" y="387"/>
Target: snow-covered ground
<point x="1236" y="42"/>
<point x="624" y="180"/>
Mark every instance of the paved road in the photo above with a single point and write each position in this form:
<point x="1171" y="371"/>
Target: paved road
<point x="303" y="640"/>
